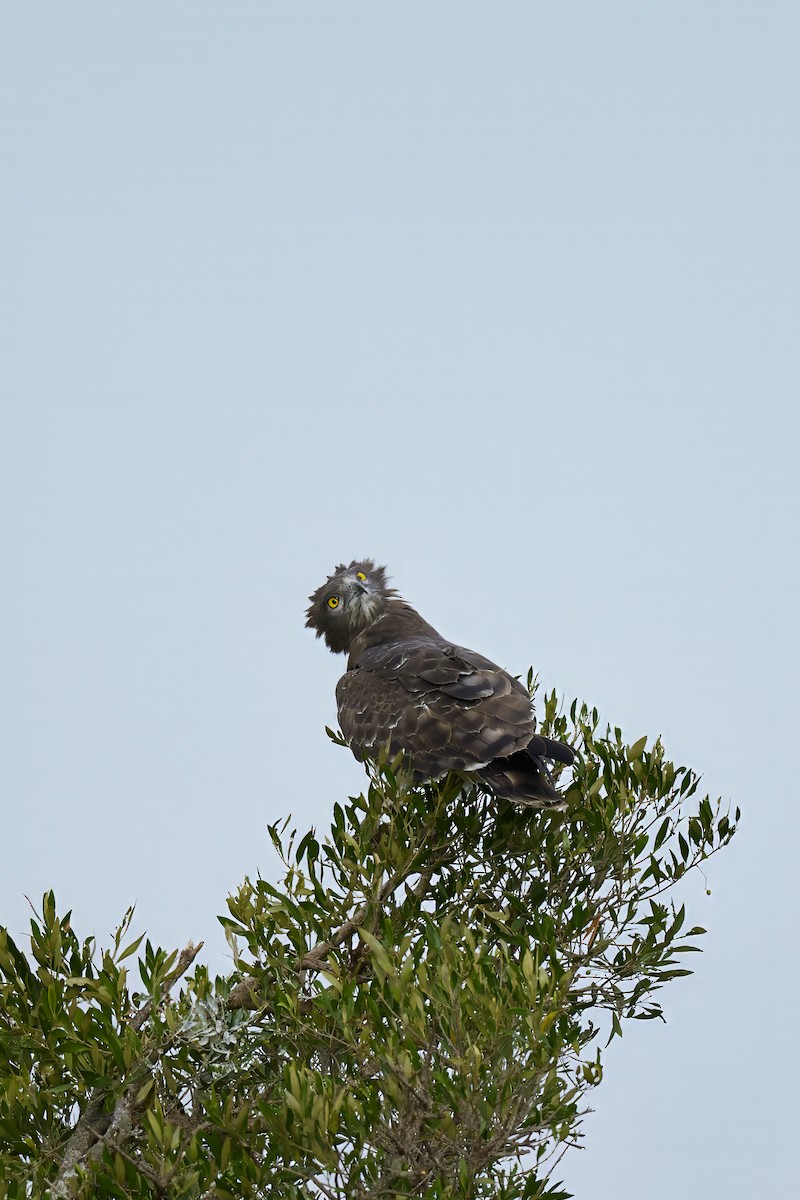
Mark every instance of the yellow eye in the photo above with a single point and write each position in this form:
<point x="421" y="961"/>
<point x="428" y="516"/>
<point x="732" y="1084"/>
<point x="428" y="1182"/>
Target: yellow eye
<point x="360" y="575"/>
<point x="333" y="601"/>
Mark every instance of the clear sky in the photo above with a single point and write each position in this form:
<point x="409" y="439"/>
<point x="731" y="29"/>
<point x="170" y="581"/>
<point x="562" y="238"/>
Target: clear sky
<point x="504" y="295"/>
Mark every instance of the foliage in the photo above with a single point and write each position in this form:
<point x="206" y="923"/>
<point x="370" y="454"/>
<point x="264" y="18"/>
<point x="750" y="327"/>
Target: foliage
<point x="418" y="1010"/>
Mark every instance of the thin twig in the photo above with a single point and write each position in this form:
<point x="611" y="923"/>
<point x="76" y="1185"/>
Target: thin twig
<point x="94" y="1122"/>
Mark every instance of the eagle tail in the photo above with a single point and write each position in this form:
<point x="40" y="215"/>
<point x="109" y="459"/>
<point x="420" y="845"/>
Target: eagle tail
<point x="523" y="776"/>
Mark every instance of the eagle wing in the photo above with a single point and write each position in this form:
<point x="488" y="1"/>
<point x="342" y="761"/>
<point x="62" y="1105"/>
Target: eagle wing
<point x="443" y="706"/>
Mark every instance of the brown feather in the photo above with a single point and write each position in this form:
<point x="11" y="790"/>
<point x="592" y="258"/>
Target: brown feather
<point x="442" y="706"/>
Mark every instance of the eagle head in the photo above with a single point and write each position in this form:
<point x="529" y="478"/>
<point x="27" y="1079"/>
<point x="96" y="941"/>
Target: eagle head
<point x="348" y="602"/>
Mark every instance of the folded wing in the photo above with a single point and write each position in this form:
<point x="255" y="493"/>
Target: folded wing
<point x="443" y="706"/>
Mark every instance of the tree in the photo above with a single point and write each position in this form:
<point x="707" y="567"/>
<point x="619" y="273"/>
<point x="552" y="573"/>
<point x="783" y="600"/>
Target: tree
<point x="418" y="1010"/>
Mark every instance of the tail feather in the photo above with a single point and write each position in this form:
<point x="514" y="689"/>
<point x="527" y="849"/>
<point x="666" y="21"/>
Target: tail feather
<point x="523" y="777"/>
<point x="545" y="747"/>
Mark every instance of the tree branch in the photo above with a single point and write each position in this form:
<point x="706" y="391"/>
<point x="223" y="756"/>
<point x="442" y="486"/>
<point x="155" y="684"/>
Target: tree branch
<point x="95" y="1124"/>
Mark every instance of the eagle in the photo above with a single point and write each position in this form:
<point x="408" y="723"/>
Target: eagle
<point x="441" y="706"/>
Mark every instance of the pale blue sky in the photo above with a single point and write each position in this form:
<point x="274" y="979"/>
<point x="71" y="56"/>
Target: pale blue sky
<point x="505" y="296"/>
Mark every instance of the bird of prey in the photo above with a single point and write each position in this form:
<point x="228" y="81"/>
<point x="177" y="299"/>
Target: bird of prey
<point x="406" y="688"/>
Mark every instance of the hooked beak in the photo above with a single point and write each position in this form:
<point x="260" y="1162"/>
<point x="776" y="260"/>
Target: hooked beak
<point x="356" y="586"/>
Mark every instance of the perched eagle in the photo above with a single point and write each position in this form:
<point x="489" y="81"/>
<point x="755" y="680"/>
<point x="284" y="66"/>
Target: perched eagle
<point x="443" y="707"/>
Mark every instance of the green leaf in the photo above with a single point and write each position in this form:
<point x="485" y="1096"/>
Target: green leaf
<point x="131" y="949"/>
<point x="636" y="750"/>
<point x="379" y="953"/>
